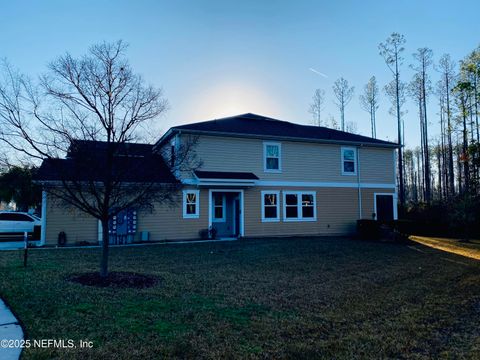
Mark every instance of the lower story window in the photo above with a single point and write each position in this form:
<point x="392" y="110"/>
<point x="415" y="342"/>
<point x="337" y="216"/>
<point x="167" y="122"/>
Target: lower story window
<point x="270" y="206"/>
<point x="299" y="206"/>
<point x="190" y="204"/>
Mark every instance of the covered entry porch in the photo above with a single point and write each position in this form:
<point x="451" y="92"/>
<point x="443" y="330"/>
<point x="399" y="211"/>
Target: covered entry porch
<point x="225" y="208"/>
<point x="226" y="200"/>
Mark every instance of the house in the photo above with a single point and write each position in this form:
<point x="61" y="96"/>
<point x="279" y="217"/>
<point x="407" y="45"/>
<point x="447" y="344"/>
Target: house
<point x="259" y="177"/>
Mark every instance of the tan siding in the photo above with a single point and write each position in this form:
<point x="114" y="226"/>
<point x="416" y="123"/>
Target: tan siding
<point x="77" y="225"/>
<point x="337" y="211"/>
<point x="377" y="165"/>
<point x="167" y="222"/>
<point x="300" y="161"/>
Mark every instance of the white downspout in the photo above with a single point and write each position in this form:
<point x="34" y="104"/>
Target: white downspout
<point x="43" y="230"/>
<point x="358" y="185"/>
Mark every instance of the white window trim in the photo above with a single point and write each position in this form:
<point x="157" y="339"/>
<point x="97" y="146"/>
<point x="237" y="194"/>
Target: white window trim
<point x="266" y="192"/>
<point x="299" y="205"/>
<point x="279" y="170"/>
<point x="197" y="204"/>
<point x="354" y="161"/>
<point x="224" y="211"/>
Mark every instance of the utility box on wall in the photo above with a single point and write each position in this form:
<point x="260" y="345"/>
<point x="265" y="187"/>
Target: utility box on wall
<point x="122" y="227"/>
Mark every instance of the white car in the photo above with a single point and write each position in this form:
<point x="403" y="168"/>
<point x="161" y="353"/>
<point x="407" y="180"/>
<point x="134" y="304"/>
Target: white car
<point x="18" y="222"/>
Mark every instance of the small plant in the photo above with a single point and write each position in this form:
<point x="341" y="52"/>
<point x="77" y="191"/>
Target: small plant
<point x="212" y="232"/>
<point x="204" y="234"/>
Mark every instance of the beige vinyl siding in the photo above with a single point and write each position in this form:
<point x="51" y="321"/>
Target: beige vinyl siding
<point x="166" y="222"/>
<point x="377" y="165"/>
<point x="337" y="211"/>
<point x="77" y="225"/>
<point x="300" y="161"/>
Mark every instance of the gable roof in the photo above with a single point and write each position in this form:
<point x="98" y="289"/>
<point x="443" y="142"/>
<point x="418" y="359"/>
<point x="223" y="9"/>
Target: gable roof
<point x="252" y="125"/>
<point x="85" y="162"/>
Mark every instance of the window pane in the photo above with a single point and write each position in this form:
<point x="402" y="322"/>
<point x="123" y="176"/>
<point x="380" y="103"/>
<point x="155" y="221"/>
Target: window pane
<point x="307" y="199"/>
<point x="291" y="199"/>
<point x="191" y="209"/>
<point x="218" y="212"/>
<point x="218" y="200"/>
<point x="349" y="166"/>
<point x="307" y="211"/>
<point x="349" y="155"/>
<point x="191" y="198"/>
<point x="291" y="212"/>
<point x="272" y="163"/>
<point x="272" y="151"/>
<point x="271" y="212"/>
<point x="270" y="199"/>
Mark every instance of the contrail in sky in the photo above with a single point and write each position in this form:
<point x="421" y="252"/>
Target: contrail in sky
<point x="318" y="72"/>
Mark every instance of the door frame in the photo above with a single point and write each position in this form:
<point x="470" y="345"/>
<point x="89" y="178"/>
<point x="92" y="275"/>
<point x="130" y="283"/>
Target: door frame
<point x="394" y="204"/>
<point x="242" y="213"/>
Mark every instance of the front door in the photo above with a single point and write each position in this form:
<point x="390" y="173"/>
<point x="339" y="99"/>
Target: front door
<point x="225" y="213"/>
<point x="384" y="204"/>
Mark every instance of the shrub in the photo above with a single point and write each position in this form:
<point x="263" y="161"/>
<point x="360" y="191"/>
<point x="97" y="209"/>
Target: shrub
<point x="368" y="229"/>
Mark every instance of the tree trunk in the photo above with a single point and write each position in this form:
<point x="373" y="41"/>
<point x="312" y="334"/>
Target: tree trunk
<point x="449" y="137"/>
<point x="105" y="248"/>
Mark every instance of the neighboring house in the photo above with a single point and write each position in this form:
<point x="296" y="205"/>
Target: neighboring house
<point x="259" y="177"/>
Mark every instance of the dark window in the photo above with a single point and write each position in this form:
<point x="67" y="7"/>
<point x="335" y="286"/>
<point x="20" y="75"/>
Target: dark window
<point x="291" y="205"/>
<point x="270" y="202"/>
<point x="15" y="217"/>
<point x="307" y="206"/>
<point x="191" y="202"/>
<point x="218" y="210"/>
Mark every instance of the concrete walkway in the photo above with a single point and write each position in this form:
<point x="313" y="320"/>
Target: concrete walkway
<point x="9" y="330"/>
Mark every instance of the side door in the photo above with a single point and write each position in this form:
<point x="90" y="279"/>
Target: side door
<point x="384" y="205"/>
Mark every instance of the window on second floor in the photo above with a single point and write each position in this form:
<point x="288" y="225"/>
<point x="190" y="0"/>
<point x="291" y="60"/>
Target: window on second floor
<point x="272" y="157"/>
<point x="349" y="161"/>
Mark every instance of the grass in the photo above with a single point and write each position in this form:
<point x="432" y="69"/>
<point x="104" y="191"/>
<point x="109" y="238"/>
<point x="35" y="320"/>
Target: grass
<point x="297" y="298"/>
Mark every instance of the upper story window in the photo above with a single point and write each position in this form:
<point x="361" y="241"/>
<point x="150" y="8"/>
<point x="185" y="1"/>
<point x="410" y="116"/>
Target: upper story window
<point x="349" y="161"/>
<point x="272" y="157"/>
<point x="191" y="204"/>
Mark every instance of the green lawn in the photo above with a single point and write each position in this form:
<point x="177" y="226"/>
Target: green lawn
<point x="307" y="298"/>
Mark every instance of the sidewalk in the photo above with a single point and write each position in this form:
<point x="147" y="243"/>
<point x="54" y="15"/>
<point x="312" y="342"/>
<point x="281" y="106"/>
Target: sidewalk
<point x="9" y="330"/>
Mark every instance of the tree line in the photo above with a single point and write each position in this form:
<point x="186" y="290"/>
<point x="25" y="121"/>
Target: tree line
<point x="443" y="166"/>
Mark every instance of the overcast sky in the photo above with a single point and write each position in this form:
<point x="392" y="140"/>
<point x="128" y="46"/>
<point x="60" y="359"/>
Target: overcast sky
<point x="221" y="58"/>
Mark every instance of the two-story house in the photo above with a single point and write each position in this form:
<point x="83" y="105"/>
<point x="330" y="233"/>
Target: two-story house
<point x="261" y="177"/>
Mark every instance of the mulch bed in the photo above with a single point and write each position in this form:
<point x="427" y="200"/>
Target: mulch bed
<point x="118" y="279"/>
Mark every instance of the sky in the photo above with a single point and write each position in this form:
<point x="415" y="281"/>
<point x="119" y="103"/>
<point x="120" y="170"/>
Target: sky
<point x="221" y="58"/>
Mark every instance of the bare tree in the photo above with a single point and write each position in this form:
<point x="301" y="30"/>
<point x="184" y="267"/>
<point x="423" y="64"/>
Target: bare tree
<point x="344" y="93"/>
<point x="391" y="50"/>
<point x="96" y="97"/>
<point x="369" y="102"/>
<point x="447" y="69"/>
<point x="317" y="106"/>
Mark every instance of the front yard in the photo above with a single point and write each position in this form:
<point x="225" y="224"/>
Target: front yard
<point x="292" y="298"/>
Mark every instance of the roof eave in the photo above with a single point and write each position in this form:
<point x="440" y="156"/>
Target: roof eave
<point x="272" y="137"/>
